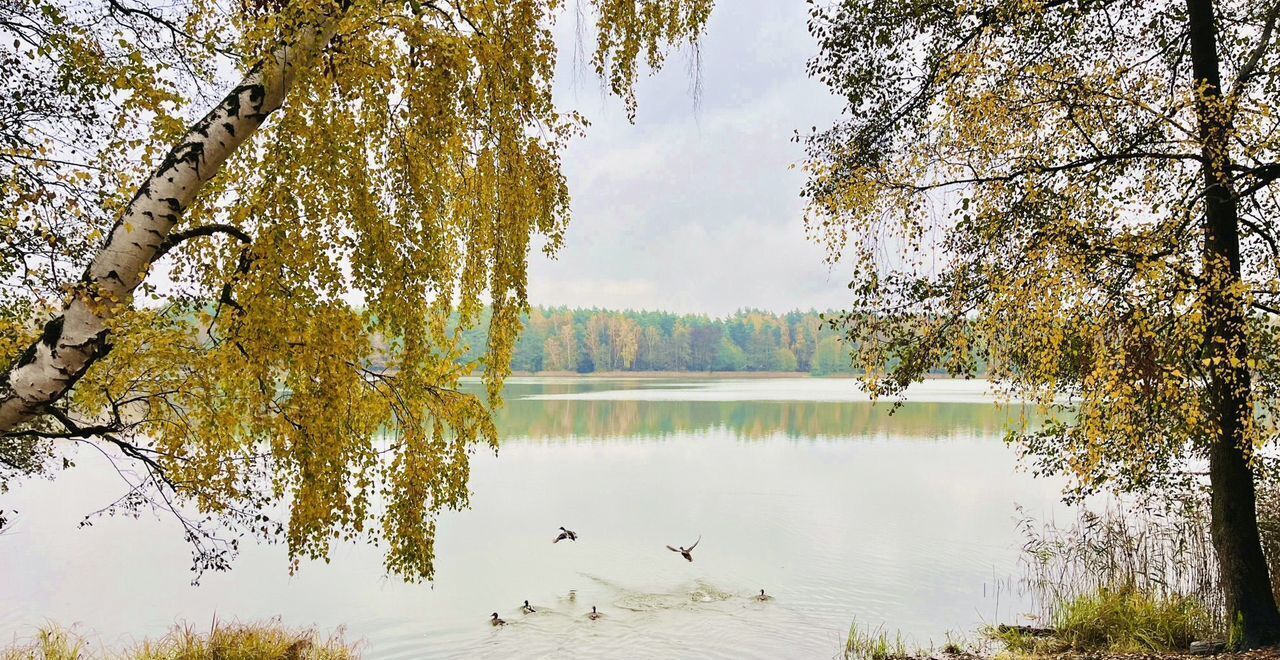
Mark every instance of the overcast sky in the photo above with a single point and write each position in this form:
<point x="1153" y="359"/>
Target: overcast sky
<point x="694" y="208"/>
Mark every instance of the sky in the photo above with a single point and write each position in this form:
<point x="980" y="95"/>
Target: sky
<point x="694" y="208"/>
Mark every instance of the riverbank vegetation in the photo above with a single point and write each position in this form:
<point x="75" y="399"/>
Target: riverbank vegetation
<point x="261" y="641"/>
<point x="1137" y="577"/>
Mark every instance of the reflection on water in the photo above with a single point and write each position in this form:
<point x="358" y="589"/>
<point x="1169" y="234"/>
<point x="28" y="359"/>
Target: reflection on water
<point x="547" y="409"/>
<point x="561" y="420"/>
<point x="835" y="507"/>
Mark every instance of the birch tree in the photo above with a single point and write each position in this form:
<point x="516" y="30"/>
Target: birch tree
<point x="255" y="305"/>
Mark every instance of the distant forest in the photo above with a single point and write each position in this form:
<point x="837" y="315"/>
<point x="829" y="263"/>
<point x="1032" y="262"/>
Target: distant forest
<point x="594" y="340"/>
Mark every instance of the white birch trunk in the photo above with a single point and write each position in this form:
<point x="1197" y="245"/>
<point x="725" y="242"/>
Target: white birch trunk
<point x="73" y="341"/>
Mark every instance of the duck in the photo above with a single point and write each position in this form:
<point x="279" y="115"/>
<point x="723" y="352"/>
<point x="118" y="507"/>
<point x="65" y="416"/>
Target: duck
<point x="687" y="553"/>
<point x="496" y="621"/>
<point x="527" y="609"/>
<point x="762" y="597"/>
<point x="594" y="614"/>
<point x="566" y="534"/>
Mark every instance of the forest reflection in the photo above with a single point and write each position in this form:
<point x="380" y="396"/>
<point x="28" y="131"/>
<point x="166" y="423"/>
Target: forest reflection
<point x="553" y="420"/>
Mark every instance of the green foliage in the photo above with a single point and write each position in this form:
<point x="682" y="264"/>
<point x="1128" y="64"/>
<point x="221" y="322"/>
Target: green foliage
<point x="596" y="340"/>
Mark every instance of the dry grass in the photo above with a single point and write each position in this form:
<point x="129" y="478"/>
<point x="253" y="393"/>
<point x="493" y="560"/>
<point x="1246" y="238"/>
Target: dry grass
<point x="261" y="641"/>
<point x="879" y="644"/>
<point x="50" y="643"/>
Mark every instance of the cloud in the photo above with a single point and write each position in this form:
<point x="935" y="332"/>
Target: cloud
<point x="696" y="208"/>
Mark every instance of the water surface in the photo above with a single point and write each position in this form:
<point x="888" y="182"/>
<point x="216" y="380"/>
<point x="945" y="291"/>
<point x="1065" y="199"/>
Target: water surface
<point x="839" y="508"/>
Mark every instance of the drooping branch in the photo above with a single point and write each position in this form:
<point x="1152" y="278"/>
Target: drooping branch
<point x="74" y="340"/>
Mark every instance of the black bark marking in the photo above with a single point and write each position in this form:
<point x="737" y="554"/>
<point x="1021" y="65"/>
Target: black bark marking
<point x="96" y="347"/>
<point x="28" y="356"/>
<point x="52" y="332"/>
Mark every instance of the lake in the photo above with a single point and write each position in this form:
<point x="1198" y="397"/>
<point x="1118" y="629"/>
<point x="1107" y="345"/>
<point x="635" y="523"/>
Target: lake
<point x="839" y="509"/>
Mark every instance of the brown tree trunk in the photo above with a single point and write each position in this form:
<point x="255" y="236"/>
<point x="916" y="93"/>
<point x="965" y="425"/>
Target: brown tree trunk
<point x="1251" y="607"/>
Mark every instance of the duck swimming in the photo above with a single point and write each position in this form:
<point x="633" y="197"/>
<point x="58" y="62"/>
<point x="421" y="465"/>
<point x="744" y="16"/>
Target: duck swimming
<point x="687" y="553"/>
<point x="594" y="614"/>
<point x="762" y="597"/>
<point x="528" y="609"/>
<point x="566" y="534"/>
<point x="496" y="621"/>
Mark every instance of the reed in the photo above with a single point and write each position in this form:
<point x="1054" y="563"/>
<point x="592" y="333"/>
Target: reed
<point x="876" y="644"/>
<point x="1135" y="576"/>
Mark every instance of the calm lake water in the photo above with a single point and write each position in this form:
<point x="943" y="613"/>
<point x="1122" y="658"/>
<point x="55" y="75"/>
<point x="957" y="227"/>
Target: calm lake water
<point x="838" y="509"/>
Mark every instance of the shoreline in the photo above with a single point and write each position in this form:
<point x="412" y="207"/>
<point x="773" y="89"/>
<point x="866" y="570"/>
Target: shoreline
<point x="706" y="375"/>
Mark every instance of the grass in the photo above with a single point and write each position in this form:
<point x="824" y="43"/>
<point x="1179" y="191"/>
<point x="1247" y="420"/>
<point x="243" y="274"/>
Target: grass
<point x="878" y="644"/>
<point x="1133" y="621"/>
<point x="260" y="641"/>
<point x="1124" y="620"/>
<point x="875" y="644"/>
<point x="51" y="643"/>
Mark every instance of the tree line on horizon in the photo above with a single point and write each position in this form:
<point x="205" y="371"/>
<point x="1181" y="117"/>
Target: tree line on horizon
<point x="601" y="340"/>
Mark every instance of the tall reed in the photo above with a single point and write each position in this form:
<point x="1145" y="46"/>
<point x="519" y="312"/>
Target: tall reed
<point x="1155" y="547"/>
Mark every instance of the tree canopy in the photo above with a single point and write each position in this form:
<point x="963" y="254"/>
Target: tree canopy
<point x="596" y="340"/>
<point x="207" y="299"/>
<point x="1080" y="193"/>
<point x="1050" y="153"/>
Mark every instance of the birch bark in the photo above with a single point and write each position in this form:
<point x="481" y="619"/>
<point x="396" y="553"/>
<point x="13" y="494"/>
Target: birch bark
<point x="79" y="336"/>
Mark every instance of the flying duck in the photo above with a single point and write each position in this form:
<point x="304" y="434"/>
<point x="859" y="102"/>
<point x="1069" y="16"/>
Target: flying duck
<point x="687" y="553"/>
<point x="528" y="609"/>
<point x="566" y="534"/>
<point x="496" y="621"/>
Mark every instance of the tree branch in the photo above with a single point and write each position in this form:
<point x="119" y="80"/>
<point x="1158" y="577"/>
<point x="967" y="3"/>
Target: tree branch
<point x="205" y="230"/>
<point x="77" y="338"/>
<point x="1249" y="69"/>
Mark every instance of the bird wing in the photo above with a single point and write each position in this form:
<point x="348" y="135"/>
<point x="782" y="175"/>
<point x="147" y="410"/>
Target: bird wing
<point x="695" y="543"/>
<point x="673" y="549"/>
<point x="560" y="538"/>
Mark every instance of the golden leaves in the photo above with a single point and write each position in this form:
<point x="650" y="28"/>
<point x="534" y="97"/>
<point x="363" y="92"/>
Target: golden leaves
<point x="391" y="202"/>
